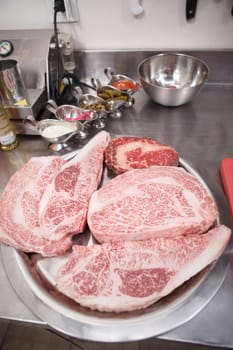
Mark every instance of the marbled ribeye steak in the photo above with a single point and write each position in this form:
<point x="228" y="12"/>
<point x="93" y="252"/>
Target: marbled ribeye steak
<point x="63" y="207"/>
<point x="45" y="202"/>
<point x="125" y="276"/>
<point x="19" y="206"/>
<point x="130" y="152"/>
<point x="152" y="202"/>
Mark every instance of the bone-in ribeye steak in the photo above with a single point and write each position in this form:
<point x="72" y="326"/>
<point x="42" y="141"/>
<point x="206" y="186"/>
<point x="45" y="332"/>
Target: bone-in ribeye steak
<point x="125" y="276"/>
<point x="63" y="207"/>
<point x="46" y="201"/>
<point x="152" y="202"/>
<point x="128" y="152"/>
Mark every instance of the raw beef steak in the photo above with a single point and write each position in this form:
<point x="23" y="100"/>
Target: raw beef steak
<point x="125" y="153"/>
<point x="46" y="201"/>
<point x="19" y="205"/>
<point x="125" y="276"/>
<point x="63" y="207"/>
<point x="152" y="202"/>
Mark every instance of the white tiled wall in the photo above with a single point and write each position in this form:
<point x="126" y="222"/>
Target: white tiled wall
<point x="109" y="24"/>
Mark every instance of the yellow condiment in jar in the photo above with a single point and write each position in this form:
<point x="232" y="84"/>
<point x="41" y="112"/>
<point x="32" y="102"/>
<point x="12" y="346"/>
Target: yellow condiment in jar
<point x="8" y="137"/>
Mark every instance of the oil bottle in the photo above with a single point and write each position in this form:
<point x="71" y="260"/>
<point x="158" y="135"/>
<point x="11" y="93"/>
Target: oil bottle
<point x="8" y="137"/>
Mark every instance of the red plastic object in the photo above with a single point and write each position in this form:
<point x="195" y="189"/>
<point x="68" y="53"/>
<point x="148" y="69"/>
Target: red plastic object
<point x="226" y="171"/>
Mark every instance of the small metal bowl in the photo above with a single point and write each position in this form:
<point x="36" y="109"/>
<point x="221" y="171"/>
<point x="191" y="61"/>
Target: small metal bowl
<point x="73" y="114"/>
<point x="115" y="97"/>
<point x="56" y="132"/>
<point x="172" y="79"/>
<point x="119" y="80"/>
<point x="94" y="103"/>
<point x="69" y="113"/>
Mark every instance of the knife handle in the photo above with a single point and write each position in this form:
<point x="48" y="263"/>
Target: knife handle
<point x="190" y="9"/>
<point x="226" y="171"/>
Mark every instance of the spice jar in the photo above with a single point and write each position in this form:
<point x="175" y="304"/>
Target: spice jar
<point x="8" y="137"/>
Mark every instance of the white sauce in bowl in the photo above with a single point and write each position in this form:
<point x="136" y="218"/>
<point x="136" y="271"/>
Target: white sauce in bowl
<point x="56" y="131"/>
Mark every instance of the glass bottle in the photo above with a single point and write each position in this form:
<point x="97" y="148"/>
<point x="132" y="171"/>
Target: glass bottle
<point x="68" y="58"/>
<point x="8" y="137"/>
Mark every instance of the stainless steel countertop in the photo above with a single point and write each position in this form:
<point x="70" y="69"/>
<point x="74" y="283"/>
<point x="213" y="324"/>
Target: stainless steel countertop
<point x="201" y="132"/>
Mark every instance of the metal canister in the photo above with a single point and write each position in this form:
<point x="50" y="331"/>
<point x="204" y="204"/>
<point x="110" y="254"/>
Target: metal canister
<point x="12" y="88"/>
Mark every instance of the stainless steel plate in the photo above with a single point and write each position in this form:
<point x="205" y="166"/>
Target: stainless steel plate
<point x="37" y="292"/>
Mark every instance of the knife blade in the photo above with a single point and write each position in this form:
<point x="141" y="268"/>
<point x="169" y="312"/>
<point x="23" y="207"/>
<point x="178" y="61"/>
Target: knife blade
<point x="191" y="6"/>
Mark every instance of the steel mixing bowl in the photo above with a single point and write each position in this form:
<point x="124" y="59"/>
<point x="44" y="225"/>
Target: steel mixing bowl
<point x="172" y="79"/>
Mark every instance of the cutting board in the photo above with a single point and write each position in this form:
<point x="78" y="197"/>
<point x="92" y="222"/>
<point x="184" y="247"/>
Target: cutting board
<point x="226" y="171"/>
